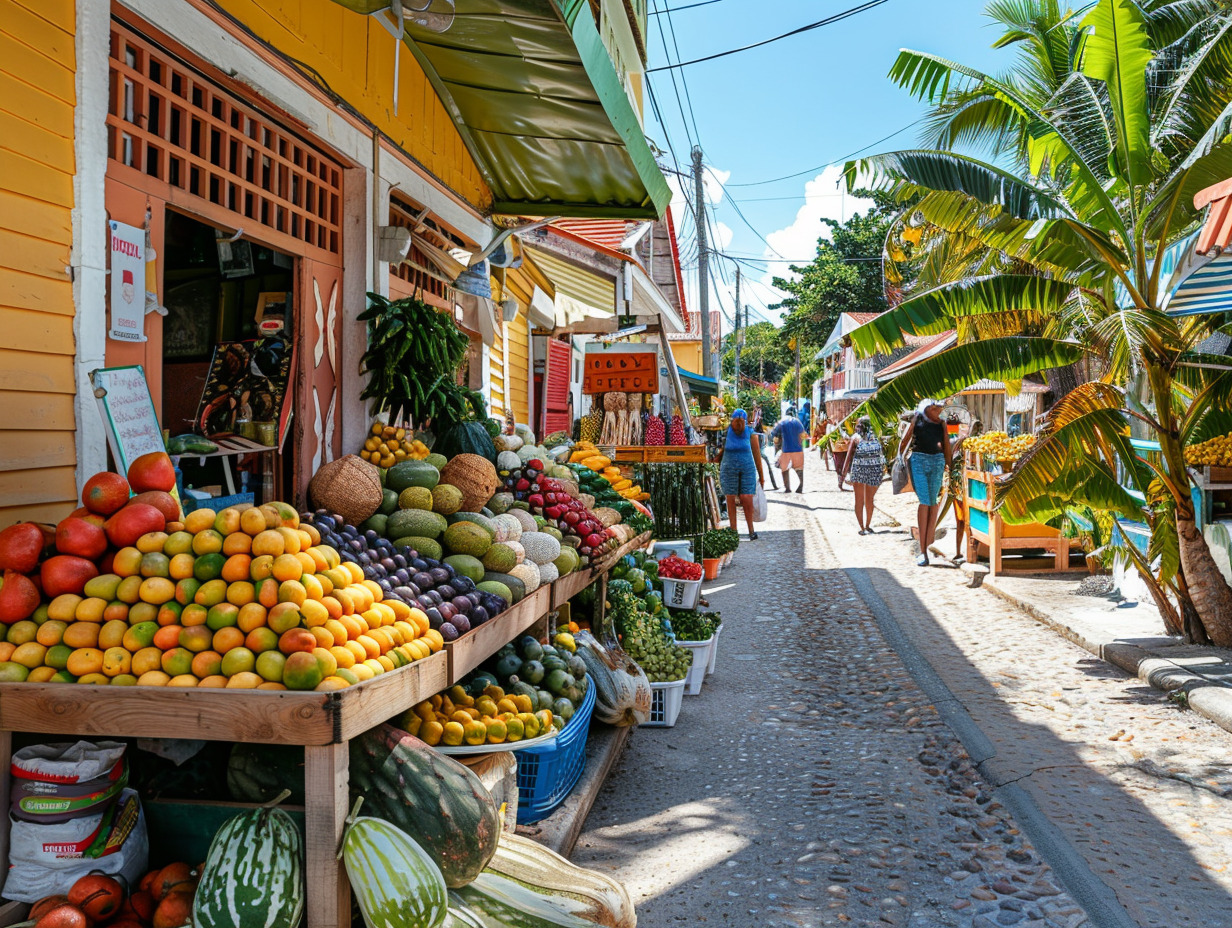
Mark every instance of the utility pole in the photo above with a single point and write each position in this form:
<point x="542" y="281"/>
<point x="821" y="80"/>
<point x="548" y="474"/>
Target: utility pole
<point x="736" y="388"/>
<point x="703" y="260"/>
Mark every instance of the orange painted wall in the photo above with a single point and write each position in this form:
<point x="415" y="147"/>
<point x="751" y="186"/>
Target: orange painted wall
<point x="37" y="385"/>
<point x="355" y="56"/>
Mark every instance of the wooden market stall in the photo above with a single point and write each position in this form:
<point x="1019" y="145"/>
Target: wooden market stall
<point x="323" y="723"/>
<point x="989" y="536"/>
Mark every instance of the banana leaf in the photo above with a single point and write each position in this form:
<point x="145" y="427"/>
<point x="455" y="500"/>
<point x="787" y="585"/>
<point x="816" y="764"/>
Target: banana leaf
<point x="961" y="366"/>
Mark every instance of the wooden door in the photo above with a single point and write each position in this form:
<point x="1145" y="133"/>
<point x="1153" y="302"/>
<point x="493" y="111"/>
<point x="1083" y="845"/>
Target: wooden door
<point x="556" y="370"/>
<point x="316" y="431"/>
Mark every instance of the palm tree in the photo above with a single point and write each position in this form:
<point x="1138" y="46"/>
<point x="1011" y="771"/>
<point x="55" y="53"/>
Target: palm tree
<point x="1095" y="156"/>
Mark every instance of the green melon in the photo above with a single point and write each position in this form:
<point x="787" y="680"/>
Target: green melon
<point x="415" y="522"/>
<point x="427" y="547"/>
<point x="500" y="502"/>
<point x="497" y="588"/>
<point x="500" y="558"/>
<point x="389" y="502"/>
<point x="412" y="474"/>
<point x="415" y="498"/>
<point x="516" y="586"/>
<point x="436" y="460"/>
<point x="466" y="565"/>
<point x="468" y="538"/>
<point x="254" y="873"/>
<point x="568" y="562"/>
<point x="476" y="519"/>
<point x="376" y="522"/>
<point x="446" y="499"/>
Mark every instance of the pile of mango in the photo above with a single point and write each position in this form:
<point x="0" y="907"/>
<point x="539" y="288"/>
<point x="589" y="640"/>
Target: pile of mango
<point x="586" y="454"/>
<point x="388" y="445"/>
<point x="455" y="717"/>
<point x="245" y="598"/>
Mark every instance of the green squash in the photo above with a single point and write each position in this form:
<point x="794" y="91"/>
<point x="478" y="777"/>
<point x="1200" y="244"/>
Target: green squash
<point x="253" y="874"/>
<point x="395" y="882"/>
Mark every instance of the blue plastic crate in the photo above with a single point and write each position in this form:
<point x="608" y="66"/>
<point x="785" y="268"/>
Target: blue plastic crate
<point x="547" y="774"/>
<point x="216" y="503"/>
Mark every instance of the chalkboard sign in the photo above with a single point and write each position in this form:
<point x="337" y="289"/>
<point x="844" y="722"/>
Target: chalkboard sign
<point x="128" y="413"/>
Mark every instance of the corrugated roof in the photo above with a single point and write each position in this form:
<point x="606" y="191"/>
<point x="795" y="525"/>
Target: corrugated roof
<point x="606" y="232"/>
<point x="931" y="347"/>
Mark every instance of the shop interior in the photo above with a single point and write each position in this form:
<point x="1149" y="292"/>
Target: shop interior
<point x="227" y="340"/>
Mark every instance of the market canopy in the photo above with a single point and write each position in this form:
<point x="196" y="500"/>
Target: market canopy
<point x="1206" y="290"/>
<point x="534" y="95"/>
<point x="702" y="386"/>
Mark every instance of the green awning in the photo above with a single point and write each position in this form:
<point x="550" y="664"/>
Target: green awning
<point x="539" y="105"/>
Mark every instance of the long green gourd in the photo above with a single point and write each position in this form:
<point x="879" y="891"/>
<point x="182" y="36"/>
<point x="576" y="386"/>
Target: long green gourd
<point x="396" y="883"/>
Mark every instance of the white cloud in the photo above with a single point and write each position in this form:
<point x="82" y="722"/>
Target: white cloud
<point x="825" y="198"/>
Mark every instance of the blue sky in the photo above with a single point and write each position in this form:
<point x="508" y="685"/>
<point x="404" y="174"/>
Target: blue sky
<point x="794" y="105"/>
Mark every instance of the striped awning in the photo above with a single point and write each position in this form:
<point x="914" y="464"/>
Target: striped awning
<point x="1206" y="290"/>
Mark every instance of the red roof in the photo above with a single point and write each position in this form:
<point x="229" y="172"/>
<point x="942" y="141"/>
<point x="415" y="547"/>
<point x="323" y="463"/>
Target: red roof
<point x="862" y="318"/>
<point x="909" y="361"/>
<point x="606" y="232"/>
<point x="1216" y="232"/>
<point x="671" y="235"/>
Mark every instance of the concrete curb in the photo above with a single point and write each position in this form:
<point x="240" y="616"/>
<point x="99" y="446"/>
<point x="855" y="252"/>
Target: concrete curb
<point x="1208" y="699"/>
<point x="560" y="830"/>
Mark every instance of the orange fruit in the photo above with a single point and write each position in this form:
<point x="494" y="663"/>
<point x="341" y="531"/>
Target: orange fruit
<point x="287" y="567"/>
<point x="199" y="520"/>
<point x="342" y="657"/>
<point x="238" y="660"/>
<point x="169" y="614"/>
<point x="244" y="680"/>
<point x="297" y="639"/>
<point x="81" y="662"/>
<point x="183" y="679"/>
<point x="311" y="530"/>
<point x="270" y="665"/>
<point x="50" y="633"/>
<point x="207" y="542"/>
<point x="337" y="629"/>
<point x="153" y="678"/>
<point x="267" y="592"/>
<point x="252" y="522"/>
<point x="284" y="617"/>
<point x="115" y="662"/>
<point x="318" y="559"/>
<point x="186" y="590"/>
<point x="151" y="542"/>
<point x="80" y="635"/>
<point x="324" y="638"/>
<point x="116" y="610"/>
<point x="302" y="671"/>
<point x="156" y="590"/>
<point x="111" y="635"/>
<point x="227" y="521"/>
<point x="206" y="664"/>
<point x="143" y="612"/>
<point x="196" y="639"/>
<point x="127" y="562"/>
<point x="167" y="637"/>
<point x="214" y="681"/>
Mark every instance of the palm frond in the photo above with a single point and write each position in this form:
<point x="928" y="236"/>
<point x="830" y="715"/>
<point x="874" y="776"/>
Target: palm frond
<point x="954" y="370"/>
<point x="1017" y="301"/>
<point x="1168" y="22"/>
<point x="1199" y="91"/>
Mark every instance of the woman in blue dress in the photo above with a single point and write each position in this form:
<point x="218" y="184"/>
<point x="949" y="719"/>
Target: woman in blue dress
<point x="740" y="471"/>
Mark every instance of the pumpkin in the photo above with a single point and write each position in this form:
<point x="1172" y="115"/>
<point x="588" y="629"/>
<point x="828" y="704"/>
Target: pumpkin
<point x="394" y="880"/>
<point x="434" y="799"/>
<point x="253" y="875"/>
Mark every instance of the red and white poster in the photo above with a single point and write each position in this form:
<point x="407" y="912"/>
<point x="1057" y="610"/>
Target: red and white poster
<point x="127" y="282"/>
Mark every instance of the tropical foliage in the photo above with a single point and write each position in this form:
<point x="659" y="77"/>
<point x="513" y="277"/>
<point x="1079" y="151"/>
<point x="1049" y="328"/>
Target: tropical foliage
<point x="1039" y="222"/>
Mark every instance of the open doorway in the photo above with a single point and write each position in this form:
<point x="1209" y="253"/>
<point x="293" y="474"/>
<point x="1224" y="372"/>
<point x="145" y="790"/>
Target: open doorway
<point x="227" y="344"/>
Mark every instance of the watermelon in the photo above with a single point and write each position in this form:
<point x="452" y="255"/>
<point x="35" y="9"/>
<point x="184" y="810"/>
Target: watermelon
<point x="394" y="880"/>
<point x="253" y="875"/>
<point x="441" y="804"/>
<point x="469" y="437"/>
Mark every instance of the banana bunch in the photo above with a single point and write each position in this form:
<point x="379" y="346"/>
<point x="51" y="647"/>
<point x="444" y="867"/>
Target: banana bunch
<point x="387" y="446"/>
<point x="999" y="445"/>
<point x="1214" y="452"/>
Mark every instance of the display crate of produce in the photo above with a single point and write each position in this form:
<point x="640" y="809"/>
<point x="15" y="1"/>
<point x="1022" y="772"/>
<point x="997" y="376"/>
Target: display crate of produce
<point x="683" y="549"/>
<point x="548" y="773"/>
<point x="676" y="454"/>
<point x="681" y="594"/>
<point x="709" y="423"/>
<point x="472" y="649"/>
<point x="665" y="702"/>
<point x="714" y="650"/>
<point x="988" y="535"/>
<point x="629" y="454"/>
<point x="699" y="668"/>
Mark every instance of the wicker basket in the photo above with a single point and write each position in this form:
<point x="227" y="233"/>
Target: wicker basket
<point x="349" y="486"/>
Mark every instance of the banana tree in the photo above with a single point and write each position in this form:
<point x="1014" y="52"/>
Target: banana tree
<point x="1100" y="184"/>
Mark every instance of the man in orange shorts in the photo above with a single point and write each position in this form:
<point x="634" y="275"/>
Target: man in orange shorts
<point x="790" y="431"/>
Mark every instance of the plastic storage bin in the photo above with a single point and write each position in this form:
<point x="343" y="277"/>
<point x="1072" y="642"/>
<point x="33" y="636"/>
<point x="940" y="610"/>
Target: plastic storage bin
<point x="547" y="774"/>
<point x="681" y="594"/>
<point x="665" y="702"/>
<point x="698" y="669"/>
<point x="682" y="549"/>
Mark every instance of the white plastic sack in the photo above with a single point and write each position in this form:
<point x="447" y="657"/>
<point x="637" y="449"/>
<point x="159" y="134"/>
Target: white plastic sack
<point x="498" y="772"/>
<point x="48" y="859"/>
<point x="900" y="475"/>
<point x="760" y="506"/>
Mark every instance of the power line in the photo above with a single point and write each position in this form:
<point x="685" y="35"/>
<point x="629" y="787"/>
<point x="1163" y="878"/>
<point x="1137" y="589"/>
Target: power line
<point x="689" y="6"/>
<point x="683" y="80"/>
<point x="817" y="25"/>
<point x="822" y="167"/>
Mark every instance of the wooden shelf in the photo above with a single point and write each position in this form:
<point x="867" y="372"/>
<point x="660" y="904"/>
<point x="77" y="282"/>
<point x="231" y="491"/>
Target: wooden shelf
<point x="323" y="723"/>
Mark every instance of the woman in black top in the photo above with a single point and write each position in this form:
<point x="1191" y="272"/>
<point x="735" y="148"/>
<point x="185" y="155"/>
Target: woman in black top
<point x="930" y="457"/>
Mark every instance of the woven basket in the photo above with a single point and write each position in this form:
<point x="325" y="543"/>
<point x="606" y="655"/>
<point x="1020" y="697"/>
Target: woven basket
<point x="349" y="486"/>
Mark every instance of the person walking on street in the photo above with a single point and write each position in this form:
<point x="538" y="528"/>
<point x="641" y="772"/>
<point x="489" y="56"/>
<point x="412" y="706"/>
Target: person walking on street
<point x="763" y="440"/>
<point x="790" y="431"/>
<point x="865" y="463"/>
<point x="822" y="427"/>
<point x="930" y="457"/>
<point x="739" y="467"/>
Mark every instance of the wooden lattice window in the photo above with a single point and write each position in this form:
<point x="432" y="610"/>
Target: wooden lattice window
<point x="170" y="122"/>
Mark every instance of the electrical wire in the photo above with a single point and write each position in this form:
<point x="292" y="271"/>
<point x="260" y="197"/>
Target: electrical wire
<point x="683" y="80"/>
<point x="811" y="26"/>
<point x="822" y="167"/>
<point x="689" y="6"/>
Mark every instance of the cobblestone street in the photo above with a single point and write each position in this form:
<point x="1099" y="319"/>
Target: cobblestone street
<point x="813" y="782"/>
